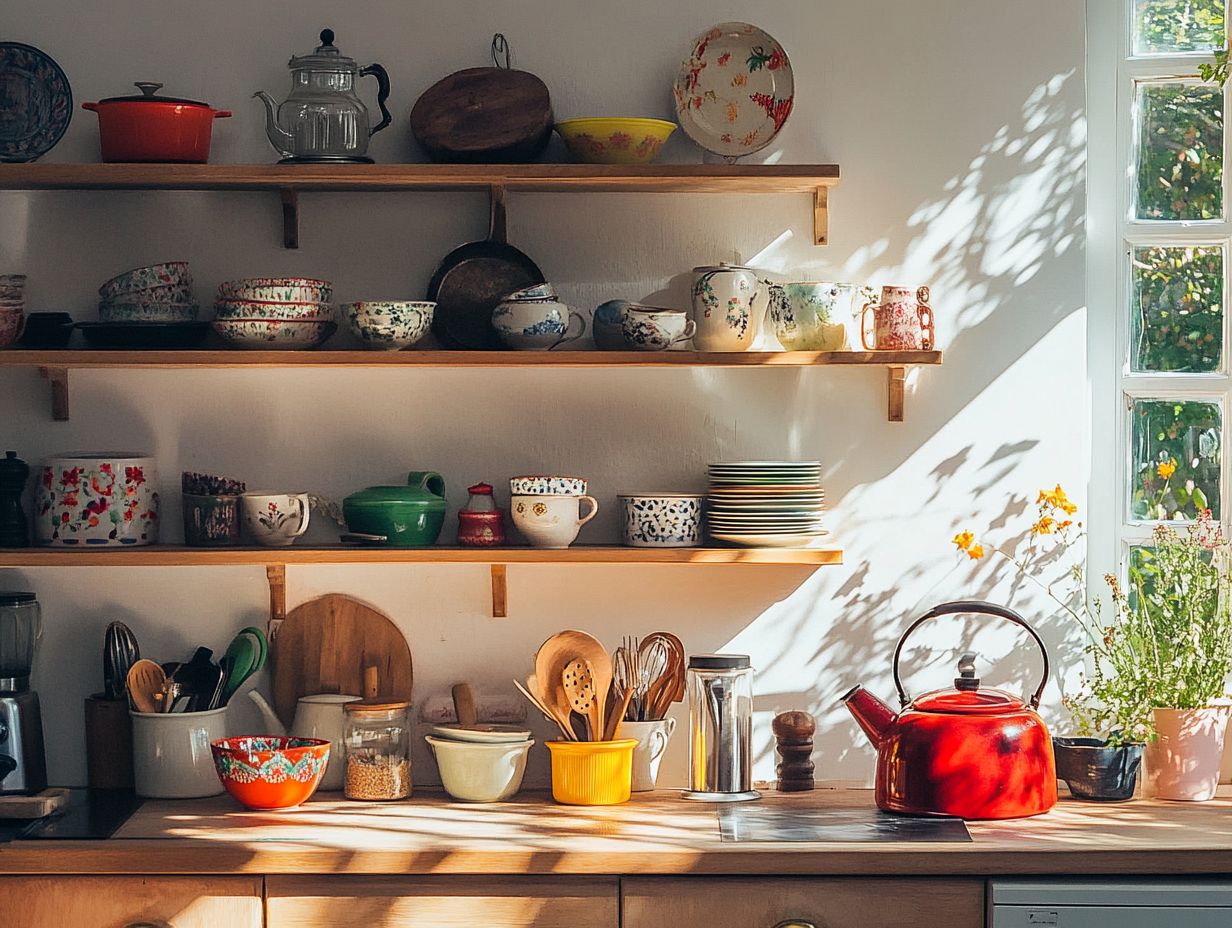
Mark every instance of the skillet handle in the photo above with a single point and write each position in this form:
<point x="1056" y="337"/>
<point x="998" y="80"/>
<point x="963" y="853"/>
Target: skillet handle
<point x="980" y="608"/>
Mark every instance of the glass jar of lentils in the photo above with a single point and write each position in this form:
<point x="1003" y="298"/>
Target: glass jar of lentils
<point x="378" y="750"/>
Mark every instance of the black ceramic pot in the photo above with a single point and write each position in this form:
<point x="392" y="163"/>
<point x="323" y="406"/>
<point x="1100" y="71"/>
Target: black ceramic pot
<point x="1096" y="771"/>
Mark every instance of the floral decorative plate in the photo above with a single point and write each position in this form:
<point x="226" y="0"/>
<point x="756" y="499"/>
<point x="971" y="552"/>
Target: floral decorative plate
<point x="735" y="91"/>
<point x="36" y="102"/>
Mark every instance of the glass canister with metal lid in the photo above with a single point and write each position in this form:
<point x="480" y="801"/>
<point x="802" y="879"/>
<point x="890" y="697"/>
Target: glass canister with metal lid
<point x="720" y="728"/>
<point x="377" y="742"/>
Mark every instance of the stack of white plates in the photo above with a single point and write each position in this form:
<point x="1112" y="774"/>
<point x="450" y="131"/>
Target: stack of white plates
<point x="765" y="503"/>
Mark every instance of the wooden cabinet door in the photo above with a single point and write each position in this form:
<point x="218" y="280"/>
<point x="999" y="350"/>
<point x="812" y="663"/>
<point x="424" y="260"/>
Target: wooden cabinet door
<point x="750" y="902"/>
<point x="130" y="901"/>
<point x="441" y="902"/>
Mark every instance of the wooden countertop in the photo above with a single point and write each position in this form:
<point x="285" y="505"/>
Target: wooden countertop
<point x="659" y="834"/>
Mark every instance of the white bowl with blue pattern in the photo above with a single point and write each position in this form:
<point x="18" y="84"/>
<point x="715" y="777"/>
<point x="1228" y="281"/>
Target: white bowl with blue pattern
<point x="661" y="520"/>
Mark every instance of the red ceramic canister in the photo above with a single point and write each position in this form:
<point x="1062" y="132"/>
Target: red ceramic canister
<point x="481" y="524"/>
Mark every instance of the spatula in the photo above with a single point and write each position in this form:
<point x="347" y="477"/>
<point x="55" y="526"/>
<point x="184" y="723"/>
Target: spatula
<point x="145" y="679"/>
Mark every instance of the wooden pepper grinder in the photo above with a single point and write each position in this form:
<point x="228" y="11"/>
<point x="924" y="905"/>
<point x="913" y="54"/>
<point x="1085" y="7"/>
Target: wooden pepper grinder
<point x="14" y="528"/>
<point x="793" y="734"/>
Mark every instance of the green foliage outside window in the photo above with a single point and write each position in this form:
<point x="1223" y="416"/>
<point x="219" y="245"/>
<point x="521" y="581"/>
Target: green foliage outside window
<point x="1177" y="309"/>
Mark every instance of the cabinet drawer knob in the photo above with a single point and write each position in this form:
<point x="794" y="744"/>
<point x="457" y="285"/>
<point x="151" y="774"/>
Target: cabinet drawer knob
<point x="795" y="923"/>
<point x="147" y="925"/>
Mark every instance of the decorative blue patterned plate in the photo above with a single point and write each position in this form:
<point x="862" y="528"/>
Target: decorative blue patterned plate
<point x="36" y="102"/>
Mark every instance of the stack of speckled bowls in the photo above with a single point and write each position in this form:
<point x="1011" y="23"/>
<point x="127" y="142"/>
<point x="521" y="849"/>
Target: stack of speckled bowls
<point x="765" y="503"/>
<point x="147" y="307"/>
<point x="287" y="313"/>
<point x="12" y="307"/>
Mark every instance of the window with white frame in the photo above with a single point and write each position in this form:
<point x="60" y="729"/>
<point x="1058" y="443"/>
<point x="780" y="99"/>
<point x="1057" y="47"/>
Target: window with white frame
<point x="1174" y="381"/>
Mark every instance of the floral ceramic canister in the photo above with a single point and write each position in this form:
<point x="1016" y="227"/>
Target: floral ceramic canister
<point x="661" y="520"/>
<point x="729" y="303"/>
<point x="97" y="499"/>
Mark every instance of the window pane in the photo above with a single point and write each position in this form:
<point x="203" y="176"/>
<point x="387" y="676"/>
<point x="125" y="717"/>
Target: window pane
<point x="1169" y="26"/>
<point x="1141" y="573"/>
<point x="1175" y="458"/>
<point x="1180" y="151"/>
<point x="1177" y="309"/>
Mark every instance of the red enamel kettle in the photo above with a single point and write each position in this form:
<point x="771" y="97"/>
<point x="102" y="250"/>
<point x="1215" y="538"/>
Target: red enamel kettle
<point x="968" y="751"/>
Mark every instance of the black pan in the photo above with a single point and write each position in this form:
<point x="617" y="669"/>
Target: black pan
<point x="472" y="279"/>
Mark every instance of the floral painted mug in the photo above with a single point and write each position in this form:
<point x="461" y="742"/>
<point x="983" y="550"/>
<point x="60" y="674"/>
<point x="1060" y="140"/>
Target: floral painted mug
<point x="276" y="519"/>
<point x="902" y="321"/>
<point x="649" y="328"/>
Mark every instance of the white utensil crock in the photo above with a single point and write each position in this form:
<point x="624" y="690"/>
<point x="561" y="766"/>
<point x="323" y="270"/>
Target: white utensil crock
<point x="652" y="739"/>
<point x="171" y="753"/>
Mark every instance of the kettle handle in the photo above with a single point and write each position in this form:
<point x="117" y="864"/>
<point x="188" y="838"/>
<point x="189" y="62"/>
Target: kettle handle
<point x="382" y="94"/>
<point x="981" y="608"/>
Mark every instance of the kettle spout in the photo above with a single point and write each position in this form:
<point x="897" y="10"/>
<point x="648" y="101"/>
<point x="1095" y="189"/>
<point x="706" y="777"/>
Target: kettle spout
<point x="279" y="137"/>
<point x="272" y="722"/>
<point x="872" y="715"/>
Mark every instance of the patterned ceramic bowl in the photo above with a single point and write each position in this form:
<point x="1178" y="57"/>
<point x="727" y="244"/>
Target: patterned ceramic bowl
<point x="547" y="486"/>
<point x="12" y="293"/>
<point x="170" y="274"/>
<point x="278" y="289"/>
<point x="389" y="325"/>
<point x="661" y="520"/>
<point x="269" y="309"/>
<point x="13" y="280"/>
<point x="265" y="772"/>
<point x="88" y="499"/>
<point x="148" y="312"/>
<point x="11" y="324"/>
<point x="171" y="293"/>
<point x="615" y="140"/>
<point x="274" y="334"/>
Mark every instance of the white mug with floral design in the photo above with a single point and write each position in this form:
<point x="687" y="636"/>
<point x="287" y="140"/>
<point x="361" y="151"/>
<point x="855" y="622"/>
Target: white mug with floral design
<point x="903" y="321"/>
<point x="276" y="519"/>
<point x="729" y="304"/>
<point x="549" y="521"/>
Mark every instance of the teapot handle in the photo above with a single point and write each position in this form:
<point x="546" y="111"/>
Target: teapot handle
<point x="981" y="608"/>
<point x="382" y="94"/>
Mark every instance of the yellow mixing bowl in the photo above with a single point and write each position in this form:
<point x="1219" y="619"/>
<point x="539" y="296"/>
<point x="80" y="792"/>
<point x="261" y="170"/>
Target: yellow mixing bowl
<point x="615" y="139"/>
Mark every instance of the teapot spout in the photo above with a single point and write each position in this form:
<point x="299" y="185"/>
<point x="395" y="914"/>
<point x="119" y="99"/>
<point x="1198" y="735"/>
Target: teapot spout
<point x="279" y="137"/>
<point x="872" y="715"/>
<point x="272" y="722"/>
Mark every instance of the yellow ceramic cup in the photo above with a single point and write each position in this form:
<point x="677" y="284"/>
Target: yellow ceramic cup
<point x="592" y="773"/>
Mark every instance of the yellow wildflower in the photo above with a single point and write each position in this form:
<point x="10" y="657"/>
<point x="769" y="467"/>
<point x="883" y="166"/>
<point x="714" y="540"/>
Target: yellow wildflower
<point x="1056" y="499"/>
<point x="1166" y="468"/>
<point x="975" y="552"/>
<point x="964" y="540"/>
<point x="1044" y="526"/>
<point x="1061" y="526"/>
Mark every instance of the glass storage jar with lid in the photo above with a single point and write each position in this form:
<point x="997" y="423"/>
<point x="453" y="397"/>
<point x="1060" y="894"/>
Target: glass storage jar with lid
<point x="378" y="750"/>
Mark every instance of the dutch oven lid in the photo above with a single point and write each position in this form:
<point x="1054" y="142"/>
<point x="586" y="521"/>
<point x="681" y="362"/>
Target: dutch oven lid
<point x="967" y="697"/>
<point x="148" y="93"/>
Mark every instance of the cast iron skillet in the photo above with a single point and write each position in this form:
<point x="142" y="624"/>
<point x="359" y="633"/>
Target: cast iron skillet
<point x="472" y="279"/>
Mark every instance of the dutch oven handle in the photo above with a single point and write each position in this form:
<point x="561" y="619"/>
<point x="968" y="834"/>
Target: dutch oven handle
<point x="981" y="608"/>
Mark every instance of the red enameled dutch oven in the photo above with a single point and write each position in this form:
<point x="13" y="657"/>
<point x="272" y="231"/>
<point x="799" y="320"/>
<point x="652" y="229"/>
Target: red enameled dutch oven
<point x="146" y="127"/>
<point x="969" y="751"/>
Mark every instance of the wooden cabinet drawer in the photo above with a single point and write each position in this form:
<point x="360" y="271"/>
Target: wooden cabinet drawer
<point x="441" y="902"/>
<point x="750" y="902"/>
<point x="123" y="901"/>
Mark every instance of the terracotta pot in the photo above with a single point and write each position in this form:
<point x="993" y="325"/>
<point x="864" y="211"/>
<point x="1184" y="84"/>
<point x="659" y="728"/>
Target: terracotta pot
<point x="1184" y="759"/>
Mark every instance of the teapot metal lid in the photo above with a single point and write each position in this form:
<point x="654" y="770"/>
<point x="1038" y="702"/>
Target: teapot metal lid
<point x="325" y="57"/>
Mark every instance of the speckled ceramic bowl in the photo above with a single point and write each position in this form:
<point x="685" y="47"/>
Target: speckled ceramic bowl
<point x="661" y="520"/>
<point x="269" y="309"/>
<point x="273" y="334"/>
<point x="391" y="324"/>
<point x="148" y="312"/>
<point x="171" y="293"/>
<point x="535" y="485"/>
<point x="278" y="289"/>
<point x="168" y="274"/>
<point x="11" y="324"/>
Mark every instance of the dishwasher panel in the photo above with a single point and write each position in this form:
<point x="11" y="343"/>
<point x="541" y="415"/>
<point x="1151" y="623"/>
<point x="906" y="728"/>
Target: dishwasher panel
<point x="1111" y="904"/>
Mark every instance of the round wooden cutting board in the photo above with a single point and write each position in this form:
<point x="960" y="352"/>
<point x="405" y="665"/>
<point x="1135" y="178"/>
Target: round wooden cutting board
<point x="484" y="115"/>
<point x="324" y="645"/>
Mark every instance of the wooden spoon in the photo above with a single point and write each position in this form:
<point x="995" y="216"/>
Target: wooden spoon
<point x="570" y="645"/>
<point x="579" y="683"/>
<point x="464" y="705"/>
<point x="535" y="701"/>
<point x="145" y="682"/>
<point x="553" y="697"/>
<point x="611" y="728"/>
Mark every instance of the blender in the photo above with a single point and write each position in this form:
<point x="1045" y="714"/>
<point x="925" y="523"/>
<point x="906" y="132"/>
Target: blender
<point x="23" y="767"/>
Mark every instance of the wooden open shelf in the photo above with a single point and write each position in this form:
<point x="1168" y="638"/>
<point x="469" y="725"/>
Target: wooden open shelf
<point x="55" y="365"/>
<point x="289" y="180"/>
<point x="276" y="560"/>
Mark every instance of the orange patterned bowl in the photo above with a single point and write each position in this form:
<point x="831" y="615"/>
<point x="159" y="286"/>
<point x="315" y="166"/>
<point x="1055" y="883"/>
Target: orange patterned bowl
<point x="615" y="140"/>
<point x="268" y="772"/>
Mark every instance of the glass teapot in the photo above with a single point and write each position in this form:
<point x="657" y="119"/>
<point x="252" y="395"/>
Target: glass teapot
<point x="323" y="119"/>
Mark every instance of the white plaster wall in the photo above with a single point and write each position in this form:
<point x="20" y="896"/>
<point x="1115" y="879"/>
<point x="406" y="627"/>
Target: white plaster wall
<point x="960" y="132"/>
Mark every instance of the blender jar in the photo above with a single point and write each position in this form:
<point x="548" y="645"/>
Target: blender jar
<point x="20" y="627"/>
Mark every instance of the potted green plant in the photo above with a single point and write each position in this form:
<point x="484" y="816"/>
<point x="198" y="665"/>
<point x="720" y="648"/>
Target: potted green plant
<point x="1112" y="714"/>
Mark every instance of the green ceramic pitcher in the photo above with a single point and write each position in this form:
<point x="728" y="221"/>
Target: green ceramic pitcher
<point x="408" y="517"/>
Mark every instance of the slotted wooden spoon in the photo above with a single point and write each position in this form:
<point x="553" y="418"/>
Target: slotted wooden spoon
<point x="145" y="682"/>
<point x="579" y="683"/>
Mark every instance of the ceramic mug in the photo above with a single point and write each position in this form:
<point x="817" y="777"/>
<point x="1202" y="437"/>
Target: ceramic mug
<point x="726" y="307"/>
<point x="649" y="328"/>
<point x="276" y="519"/>
<point x="815" y="315"/>
<point x="551" y="521"/>
<point x="903" y="321"/>
<point x="652" y="739"/>
<point x="104" y="499"/>
<point x="211" y="521"/>
<point x="535" y="324"/>
<point x="171" y="753"/>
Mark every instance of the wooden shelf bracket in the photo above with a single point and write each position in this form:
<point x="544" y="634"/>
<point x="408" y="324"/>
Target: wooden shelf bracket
<point x="500" y="606"/>
<point x="290" y="217"/>
<point x="821" y="216"/>
<point x="57" y="377"/>
<point x="277" y="576"/>
<point x="897" y="388"/>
